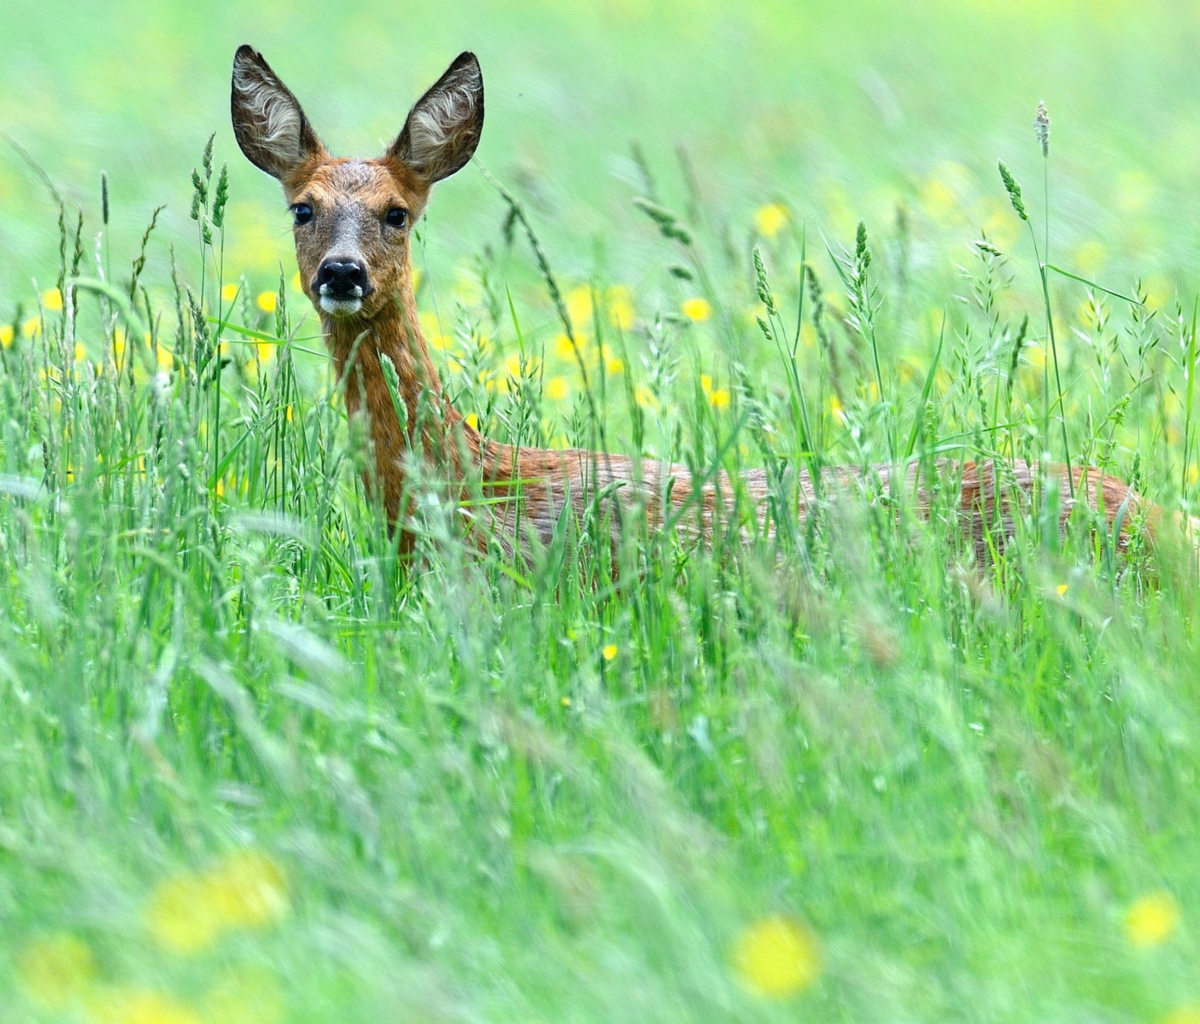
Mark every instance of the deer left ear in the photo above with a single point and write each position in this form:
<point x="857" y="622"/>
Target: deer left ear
<point x="444" y="125"/>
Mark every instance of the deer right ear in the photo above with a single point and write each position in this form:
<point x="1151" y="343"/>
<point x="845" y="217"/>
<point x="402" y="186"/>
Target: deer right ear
<point x="270" y="127"/>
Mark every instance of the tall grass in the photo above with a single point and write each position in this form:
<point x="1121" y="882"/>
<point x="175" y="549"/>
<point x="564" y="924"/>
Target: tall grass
<point x="255" y="766"/>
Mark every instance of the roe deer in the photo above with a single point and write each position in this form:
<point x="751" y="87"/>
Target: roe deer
<point x="353" y="220"/>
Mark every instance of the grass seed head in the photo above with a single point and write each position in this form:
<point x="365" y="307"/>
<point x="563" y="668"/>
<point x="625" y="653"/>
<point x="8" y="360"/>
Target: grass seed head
<point x="1041" y="128"/>
<point x="1013" y="190"/>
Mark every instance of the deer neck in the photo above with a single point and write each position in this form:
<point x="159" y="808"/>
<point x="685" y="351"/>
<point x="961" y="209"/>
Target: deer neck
<point x="422" y="426"/>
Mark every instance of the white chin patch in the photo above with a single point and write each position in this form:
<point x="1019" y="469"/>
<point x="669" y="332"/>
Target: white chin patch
<point x="340" y="307"/>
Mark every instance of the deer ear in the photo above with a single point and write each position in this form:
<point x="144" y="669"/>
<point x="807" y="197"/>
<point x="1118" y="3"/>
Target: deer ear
<point x="271" y="128"/>
<point x="444" y="125"/>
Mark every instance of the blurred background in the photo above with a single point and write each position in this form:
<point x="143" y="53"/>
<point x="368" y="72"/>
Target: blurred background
<point x="840" y="111"/>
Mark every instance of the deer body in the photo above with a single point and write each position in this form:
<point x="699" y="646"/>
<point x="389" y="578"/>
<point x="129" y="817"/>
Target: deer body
<point x="353" y="219"/>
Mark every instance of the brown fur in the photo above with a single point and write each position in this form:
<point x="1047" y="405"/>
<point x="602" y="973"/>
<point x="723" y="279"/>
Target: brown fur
<point x="526" y="489"/>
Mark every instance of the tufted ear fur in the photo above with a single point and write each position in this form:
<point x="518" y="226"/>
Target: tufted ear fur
<point x="444" y="125"/>
<point x="271" y="128"/>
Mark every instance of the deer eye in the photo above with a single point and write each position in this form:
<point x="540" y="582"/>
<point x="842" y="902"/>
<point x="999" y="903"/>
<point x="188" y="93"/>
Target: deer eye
<point x="396" y="217"/>
<point x="302" y="212"/>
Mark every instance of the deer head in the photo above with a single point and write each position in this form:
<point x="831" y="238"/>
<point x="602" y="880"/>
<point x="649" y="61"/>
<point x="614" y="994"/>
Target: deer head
<point x="353" y="217"/>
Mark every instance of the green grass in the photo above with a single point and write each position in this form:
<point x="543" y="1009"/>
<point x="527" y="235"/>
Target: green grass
<point x="254" y="768"/>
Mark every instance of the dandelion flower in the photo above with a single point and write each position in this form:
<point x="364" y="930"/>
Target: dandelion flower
<point x="52" y="300"/>
<point x="471" y="420"/>
<point x="228" y="292"/>
<point x="696" y="309"/>
<point x="6" y="335"/>
<point x="645" y="397"/>
<point x="579" y="306"/>
<point x="770" y="219"/>
<point x="1151" y="920"/>
<point x="139" y="1006"/>
<point x="266" y="301"/>
<point x="609" y="652"/>
<point x="777" y="957"/>
<point x="32" y="327"/>
<point x="557" y="389"/>
<point x="719" y="399"/>
<point x="706" y="383"/>
<point x="180" y="915"/>
<point x="56" y="970"/>
<point x="80" y="352"/>
<point x="1062" y="588"/>
<point x="621" y="313"/>
<point x="564" y="348"/>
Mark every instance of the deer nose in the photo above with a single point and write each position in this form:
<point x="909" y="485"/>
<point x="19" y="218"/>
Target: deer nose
<point x="342" y="279"/>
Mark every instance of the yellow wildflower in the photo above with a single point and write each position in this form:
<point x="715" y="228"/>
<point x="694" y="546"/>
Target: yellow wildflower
<point x="181" y="914"/>
<point x="565" y="701"/>
<point x="164" y="357"/>
<point x="609" y="652"/>
<point x="706" y="383"/>
<point x="614" y="365"/>
<point x="471" y="420"/>
<point x="52" y="300"/>
<point x="770" y="219"/>
<point x="777" y="957"/>
<point x="808" y="335"/>
<point x="139" y="1006"/>
<point x="1150" y="920"/>
<point x="32" y="327"/>
<point x="266" y="301"/>
<point x="579" y="306"/>
<point x="835" y="407"/>
<point x="1061" y="589"/>
<point x="564" y="349"/>
<point x="6" y="335"/>
<point x="557" y="389"/>
<point x="645" y="397"/>
<point x="80" y="352"/>
<point x="56" y="970"/>
<point x="696" y="309"/>
<point x="229" y="292"/>
<point x="621" y="313"/>
<point x="416" y="278"/>
<point x="719" y="398"/>
<point x="1186" y="1014"/>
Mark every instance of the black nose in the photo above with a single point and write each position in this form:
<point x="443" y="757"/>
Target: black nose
<point x="343" y="279"/>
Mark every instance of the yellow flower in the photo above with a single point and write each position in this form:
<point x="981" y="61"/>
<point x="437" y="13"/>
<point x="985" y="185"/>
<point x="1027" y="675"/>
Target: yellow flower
<point x="1150" y="920"/>
<point x="564" y="349"/>
<point x="1062" y="588"/>
<point x="139" y="1006"/>
<point x="6" y="335"/>
<point x="706" y="383"/>
<point x="1186" y="1014"/>
<point x="696" y="309"/>
<point x="164" y="357"/>
<point x="770" y="219"/>
<point x="579" y="306"/>
<point x="565" y="701"/>
<point x="265" y="350"/>
<point x="621" y="313"/>
<point x="471" y="420"/>
<point x="181" y="914"/>
<point x="229" y="292"/>
<point x="266" y="301"/>
<point x="835" y="407"/>
<point x="645" y="397"/>
<point x="416" y="279"/>
<point x="609" y="652"/>
<point x="719" y="399"/>
<point x="246" y="889"/>
<point x="54" y="971"/>
<point x="52" y="300"/>
<point x="777" y="957"/>
<point x="80" y="352"/>
<point x="557" y="389"/>
<point x="32" y="327"/>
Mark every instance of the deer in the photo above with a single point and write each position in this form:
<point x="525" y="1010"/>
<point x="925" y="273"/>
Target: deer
<point x="353" y="221"/>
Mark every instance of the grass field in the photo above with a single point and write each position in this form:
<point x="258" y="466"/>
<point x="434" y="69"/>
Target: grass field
<point x="254" y="769"/>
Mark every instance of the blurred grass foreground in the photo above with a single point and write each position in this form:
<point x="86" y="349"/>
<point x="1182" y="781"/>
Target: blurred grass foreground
<point x="256" y="769"/>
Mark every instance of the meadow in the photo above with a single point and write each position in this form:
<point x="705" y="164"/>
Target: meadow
<point x="256" y="768"/>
